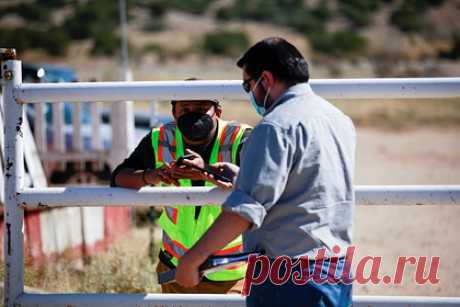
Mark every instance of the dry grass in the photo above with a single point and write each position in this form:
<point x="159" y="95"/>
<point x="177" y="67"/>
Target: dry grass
<point x="398" y="114"/>
<point x="387" y="114"/>
<point x="125" y="267"/>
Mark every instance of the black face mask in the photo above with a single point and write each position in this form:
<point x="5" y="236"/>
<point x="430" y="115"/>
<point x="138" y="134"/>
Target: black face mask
<point x="196" y="126"/>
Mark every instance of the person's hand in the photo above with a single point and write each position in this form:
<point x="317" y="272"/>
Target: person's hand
<point x="187" y="274"/>
<point x="227" y="169"/>
<point x="186" y="171"/>
<point x="162" y="174"/>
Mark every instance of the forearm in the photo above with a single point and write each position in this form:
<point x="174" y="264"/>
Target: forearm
<point x="130" y="178"/>
<point x="226" y="228"/>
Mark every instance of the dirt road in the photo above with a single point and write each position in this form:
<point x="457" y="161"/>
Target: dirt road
<point x="418" y="156"/>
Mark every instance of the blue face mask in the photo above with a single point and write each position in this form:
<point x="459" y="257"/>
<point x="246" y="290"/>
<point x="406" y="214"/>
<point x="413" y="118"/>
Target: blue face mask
<point x="259" y="109"/>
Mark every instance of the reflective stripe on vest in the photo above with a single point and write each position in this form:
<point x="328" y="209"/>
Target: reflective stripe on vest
<point x="177" y="250"/>
<point x="180" y="229"/>
<point x="172" y="213"/>
<point x="227" y="138"/>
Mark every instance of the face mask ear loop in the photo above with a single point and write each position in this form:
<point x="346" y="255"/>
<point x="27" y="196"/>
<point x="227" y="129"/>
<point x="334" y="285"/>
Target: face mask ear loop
<point x="255" y="86"/>
<point x="257" y="83"/>
<point x="266" y="96"/>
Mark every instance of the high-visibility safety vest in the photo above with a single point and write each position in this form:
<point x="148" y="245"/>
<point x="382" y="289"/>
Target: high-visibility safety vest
<point x="180" y="228"/>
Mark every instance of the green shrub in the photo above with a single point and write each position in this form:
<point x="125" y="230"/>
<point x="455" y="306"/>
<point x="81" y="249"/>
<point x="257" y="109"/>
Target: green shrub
<point x="91" y="17"/>
<point x="407" y="18"/>
<point x="189" y="6"/>
<point x="290" y="13"/>
<point x="322" y="42"/>
<point x="56" y="3"/>
<point x="226" y="43"/>
<point x="105" y="44"/>
<point x="358" y="12"/>
<point x="157" y="8"/>
<point x="423" y="5"/>
<point x="79" y="26"/>
<point x="155" y="25"/>
<point x="322" y="12"/>
<point x="31" y="12"/>
<point x="306" y="21"/>
<point x="55" y="41"/>
<point x="159" y="50"/>
<point x="96" y="20"/>
<point x="242" y="9"/>
<point x="16" y="38"/>
<point x="454" y="52"/>
<point x="52" y="40"/>
<point x="340" y="43"/>
<point x="157" y="11"/>
<point x="160" y="7"/>
<point x="435" y="3"/>
<point x="276" y="11"/>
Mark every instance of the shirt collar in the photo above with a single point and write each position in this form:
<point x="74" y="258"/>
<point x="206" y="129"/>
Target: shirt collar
<point x="298" y="89"/>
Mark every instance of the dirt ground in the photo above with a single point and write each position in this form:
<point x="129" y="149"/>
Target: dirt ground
<point x="415" y="156"/>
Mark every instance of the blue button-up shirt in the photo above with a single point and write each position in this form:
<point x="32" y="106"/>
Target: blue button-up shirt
<point x="296" y="179"/>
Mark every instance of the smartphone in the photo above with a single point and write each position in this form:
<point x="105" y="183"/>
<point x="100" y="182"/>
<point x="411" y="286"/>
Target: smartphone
<point x="206" y="168"/>
<point x="180" y="161"/>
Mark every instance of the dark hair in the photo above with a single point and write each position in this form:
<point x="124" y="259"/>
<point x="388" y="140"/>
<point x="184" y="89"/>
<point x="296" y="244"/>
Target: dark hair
<point x="278" y="56"/>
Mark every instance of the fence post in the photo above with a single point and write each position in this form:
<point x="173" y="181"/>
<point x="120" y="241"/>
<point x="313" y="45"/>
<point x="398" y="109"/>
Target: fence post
<point x="2" y="165"/>
<point x="122" y="123"/>
<point x="40" y="128"/>
<point x="14" y="172"/>
<point x="96" y="144"/>
<point x="59" y="141"/>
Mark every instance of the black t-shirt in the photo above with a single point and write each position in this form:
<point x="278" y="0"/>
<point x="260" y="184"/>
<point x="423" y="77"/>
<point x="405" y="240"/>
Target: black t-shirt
<point x="142" y="157"/>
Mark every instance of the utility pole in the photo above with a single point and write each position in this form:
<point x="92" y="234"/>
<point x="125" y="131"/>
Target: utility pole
<point x="122" y="117"/>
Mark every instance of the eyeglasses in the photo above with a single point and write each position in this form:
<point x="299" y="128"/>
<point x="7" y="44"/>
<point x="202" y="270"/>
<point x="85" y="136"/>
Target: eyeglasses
<point x="246" y="86"/>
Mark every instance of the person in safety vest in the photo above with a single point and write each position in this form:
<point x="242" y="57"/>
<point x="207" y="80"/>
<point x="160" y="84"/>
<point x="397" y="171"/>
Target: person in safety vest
<point x="197" y="129"/>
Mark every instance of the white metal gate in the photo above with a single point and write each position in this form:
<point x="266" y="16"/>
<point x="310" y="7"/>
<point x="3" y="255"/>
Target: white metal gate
<point x="17" y="198"/>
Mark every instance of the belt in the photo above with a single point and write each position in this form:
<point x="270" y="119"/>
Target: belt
<point x="165" y="258"/>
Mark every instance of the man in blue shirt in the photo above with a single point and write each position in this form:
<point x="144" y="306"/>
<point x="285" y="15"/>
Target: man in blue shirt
<point x="293" y="194"/>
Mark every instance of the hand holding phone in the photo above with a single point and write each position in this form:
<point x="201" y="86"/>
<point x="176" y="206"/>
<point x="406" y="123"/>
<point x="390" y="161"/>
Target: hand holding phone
<point x="180" y="161"/>
<point x="207" y="169"/>
<point x="225" y="174"/>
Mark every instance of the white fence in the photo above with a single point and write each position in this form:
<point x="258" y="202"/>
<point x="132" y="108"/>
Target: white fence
<point x="68" y="138"/>
<point x="17" y="198"/>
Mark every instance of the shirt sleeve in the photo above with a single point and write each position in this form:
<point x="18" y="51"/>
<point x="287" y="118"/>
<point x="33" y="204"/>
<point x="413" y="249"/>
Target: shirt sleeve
<point x="266" y="162"/>
<point x="141" y="158"/>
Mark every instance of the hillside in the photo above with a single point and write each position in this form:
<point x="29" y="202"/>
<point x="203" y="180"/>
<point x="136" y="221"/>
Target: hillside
<point x="177" y="38"/>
